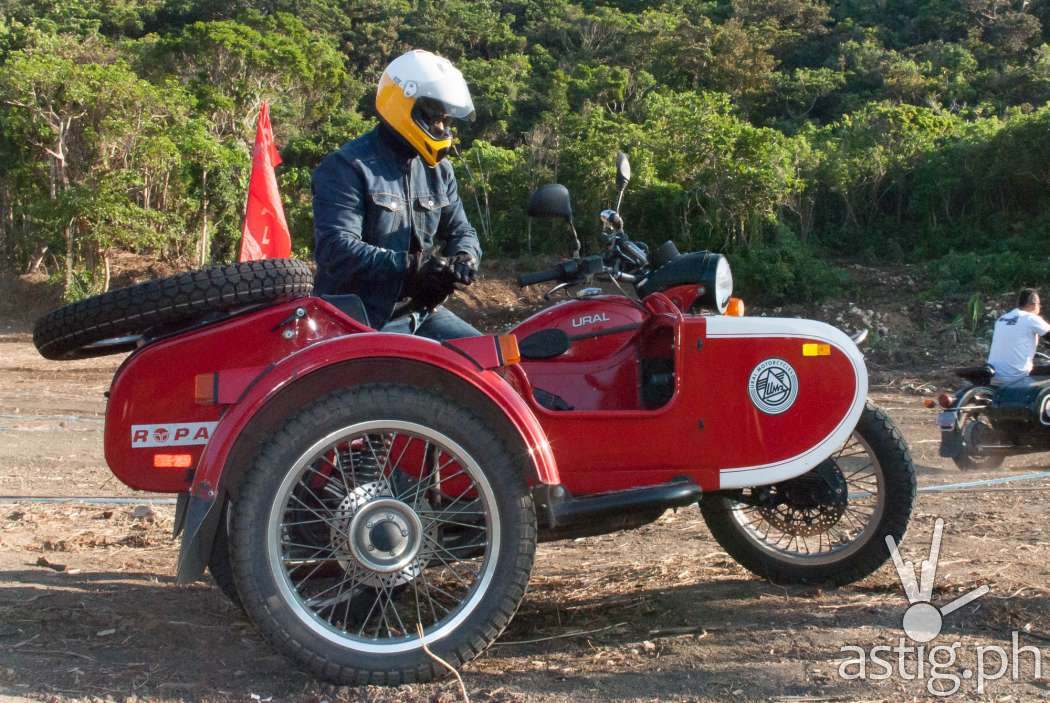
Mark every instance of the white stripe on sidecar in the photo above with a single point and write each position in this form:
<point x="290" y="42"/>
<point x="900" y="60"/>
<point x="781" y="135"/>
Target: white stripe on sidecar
<point x="721" y="327"/>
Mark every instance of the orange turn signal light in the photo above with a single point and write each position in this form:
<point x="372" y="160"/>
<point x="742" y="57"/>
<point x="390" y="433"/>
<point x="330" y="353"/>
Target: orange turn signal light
<point x="929" y="403"/>
<point x="205" y="388"/>
<point x="815" y="349"/>
<point x="735" y="308"/>
<point x="508" y="349"/>
<point x="172" y="461"/>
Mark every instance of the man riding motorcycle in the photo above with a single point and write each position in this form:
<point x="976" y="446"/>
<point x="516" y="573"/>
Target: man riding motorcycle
<point x="1015" y="338"/>
<point x="389" y="224"/>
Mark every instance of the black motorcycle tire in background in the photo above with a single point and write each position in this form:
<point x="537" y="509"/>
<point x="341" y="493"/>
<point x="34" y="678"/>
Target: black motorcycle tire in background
<point x="965" y="460"/>
<point x="890" y="456"/>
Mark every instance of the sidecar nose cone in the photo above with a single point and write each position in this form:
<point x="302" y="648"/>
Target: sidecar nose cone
<point x="386" y="536"/>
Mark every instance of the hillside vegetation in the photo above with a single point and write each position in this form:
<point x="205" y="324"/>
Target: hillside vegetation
<point x="786" y="132"/>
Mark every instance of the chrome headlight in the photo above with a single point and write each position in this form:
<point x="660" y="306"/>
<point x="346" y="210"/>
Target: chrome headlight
<point x="717" y="279"/>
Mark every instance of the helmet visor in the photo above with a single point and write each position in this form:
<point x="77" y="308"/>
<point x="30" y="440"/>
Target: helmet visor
<point x="446" y="96"/>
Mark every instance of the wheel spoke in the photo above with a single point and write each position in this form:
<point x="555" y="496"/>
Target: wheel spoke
<point x="445" y="563"/>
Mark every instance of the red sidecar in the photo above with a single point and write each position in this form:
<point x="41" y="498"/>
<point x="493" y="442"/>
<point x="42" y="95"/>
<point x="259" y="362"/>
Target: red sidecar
<point x="362" y="493"/>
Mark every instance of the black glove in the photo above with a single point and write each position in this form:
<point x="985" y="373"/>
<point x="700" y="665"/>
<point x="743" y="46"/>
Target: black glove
<point x="428" y="280"/>
<point x="464" y="268"/>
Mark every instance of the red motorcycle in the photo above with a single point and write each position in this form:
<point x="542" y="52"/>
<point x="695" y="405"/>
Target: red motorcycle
<point x="361" y="494"/>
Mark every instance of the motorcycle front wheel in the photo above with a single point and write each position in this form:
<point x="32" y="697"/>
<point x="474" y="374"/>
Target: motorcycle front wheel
<point x="828" y="526"/>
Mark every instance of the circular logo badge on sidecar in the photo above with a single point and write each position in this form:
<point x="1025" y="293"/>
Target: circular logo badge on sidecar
<point x="773" y="386"/>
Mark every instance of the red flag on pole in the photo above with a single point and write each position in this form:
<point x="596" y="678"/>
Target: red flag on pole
<point x="265" y="231"/>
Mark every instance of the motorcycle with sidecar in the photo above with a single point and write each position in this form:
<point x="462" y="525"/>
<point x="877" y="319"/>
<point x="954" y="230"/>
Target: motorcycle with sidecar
<point x="982" y="422"/>
<point x="363" y="494"/>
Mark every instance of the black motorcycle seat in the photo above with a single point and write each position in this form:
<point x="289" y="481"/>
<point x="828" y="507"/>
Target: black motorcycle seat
<point x="350" y="305"/>
<point x="979" y="375"/>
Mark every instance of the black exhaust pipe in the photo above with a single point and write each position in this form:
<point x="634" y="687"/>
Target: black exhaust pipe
<point x="556" y="507"/>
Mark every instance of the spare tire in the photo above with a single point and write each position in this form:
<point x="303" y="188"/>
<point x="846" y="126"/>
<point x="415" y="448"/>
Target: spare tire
<point x="116" y="321"/>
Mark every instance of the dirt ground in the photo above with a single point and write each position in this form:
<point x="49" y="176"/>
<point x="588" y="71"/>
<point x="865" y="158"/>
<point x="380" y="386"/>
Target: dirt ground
<point x="89" y="609"/>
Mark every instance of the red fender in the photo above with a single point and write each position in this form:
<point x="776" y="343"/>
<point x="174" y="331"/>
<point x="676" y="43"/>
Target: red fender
<point x="372" y="345"/>
<point x="202" y="503"/>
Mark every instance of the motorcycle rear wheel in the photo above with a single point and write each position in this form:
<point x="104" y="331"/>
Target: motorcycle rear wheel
<point x="828" y="526"/>
<point x="965" y="460"/>
<point x="338" y="559"/>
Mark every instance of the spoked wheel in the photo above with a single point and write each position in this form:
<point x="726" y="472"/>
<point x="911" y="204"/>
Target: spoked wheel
<point x="376" y="513"/>
<point x="830" y="524"/>
<point x="975" y="429"/>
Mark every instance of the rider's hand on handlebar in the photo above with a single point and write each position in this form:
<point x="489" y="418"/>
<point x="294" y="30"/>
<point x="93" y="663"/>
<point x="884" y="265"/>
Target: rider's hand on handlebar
<point x="429" y="279"/>
<point x="464" y="268"/>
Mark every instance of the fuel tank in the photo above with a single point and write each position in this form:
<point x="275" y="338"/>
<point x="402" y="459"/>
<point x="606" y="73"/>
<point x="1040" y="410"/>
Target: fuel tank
<point x="601" y="367"/>
<point x="597" y="326"/>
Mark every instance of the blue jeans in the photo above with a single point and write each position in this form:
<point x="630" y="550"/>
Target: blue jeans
<point x="441" y="324"/>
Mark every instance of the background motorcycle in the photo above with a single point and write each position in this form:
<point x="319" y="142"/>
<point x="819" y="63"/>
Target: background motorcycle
<point x="981" y="423"/>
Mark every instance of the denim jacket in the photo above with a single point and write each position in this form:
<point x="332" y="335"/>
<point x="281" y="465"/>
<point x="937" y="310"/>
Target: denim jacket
<point x="369" y="203"/>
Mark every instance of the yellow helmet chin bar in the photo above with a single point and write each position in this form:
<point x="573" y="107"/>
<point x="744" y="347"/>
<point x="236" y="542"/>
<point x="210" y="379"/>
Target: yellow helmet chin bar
<point x="395" y="108"/>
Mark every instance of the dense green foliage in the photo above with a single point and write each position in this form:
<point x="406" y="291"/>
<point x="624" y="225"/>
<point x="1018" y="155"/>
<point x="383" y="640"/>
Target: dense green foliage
<point x="779" y="130"/>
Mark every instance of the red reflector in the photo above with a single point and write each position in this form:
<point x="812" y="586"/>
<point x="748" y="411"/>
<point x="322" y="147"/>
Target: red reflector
<point x="945" y="400"/>
<point x="172" y="461"/>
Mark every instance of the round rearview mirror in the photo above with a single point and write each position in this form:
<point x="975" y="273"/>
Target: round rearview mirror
<point x="551" y="200"/>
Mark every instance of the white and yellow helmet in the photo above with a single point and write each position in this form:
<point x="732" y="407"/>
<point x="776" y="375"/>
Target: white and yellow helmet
<point x="415" y="88"/>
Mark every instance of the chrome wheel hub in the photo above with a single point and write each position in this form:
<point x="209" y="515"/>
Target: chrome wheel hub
<point x="382" y="538"/>
<point x="385" y="535"/>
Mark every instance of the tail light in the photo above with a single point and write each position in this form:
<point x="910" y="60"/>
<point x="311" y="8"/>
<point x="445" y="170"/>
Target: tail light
<point x="945" y="400"/>
<point x="172" y="461"/>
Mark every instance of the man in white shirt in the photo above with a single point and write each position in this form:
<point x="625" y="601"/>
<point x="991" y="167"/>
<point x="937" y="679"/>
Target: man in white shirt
<point x="1015" y="338"/>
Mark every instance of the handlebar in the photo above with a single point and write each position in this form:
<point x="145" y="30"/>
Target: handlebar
<point x="569" y="271"/>
<point x="530" y="279"/>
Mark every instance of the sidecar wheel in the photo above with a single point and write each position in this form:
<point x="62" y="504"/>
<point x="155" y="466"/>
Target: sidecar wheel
<point x="828" y="526"/>
<point x="374" y="511"/>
